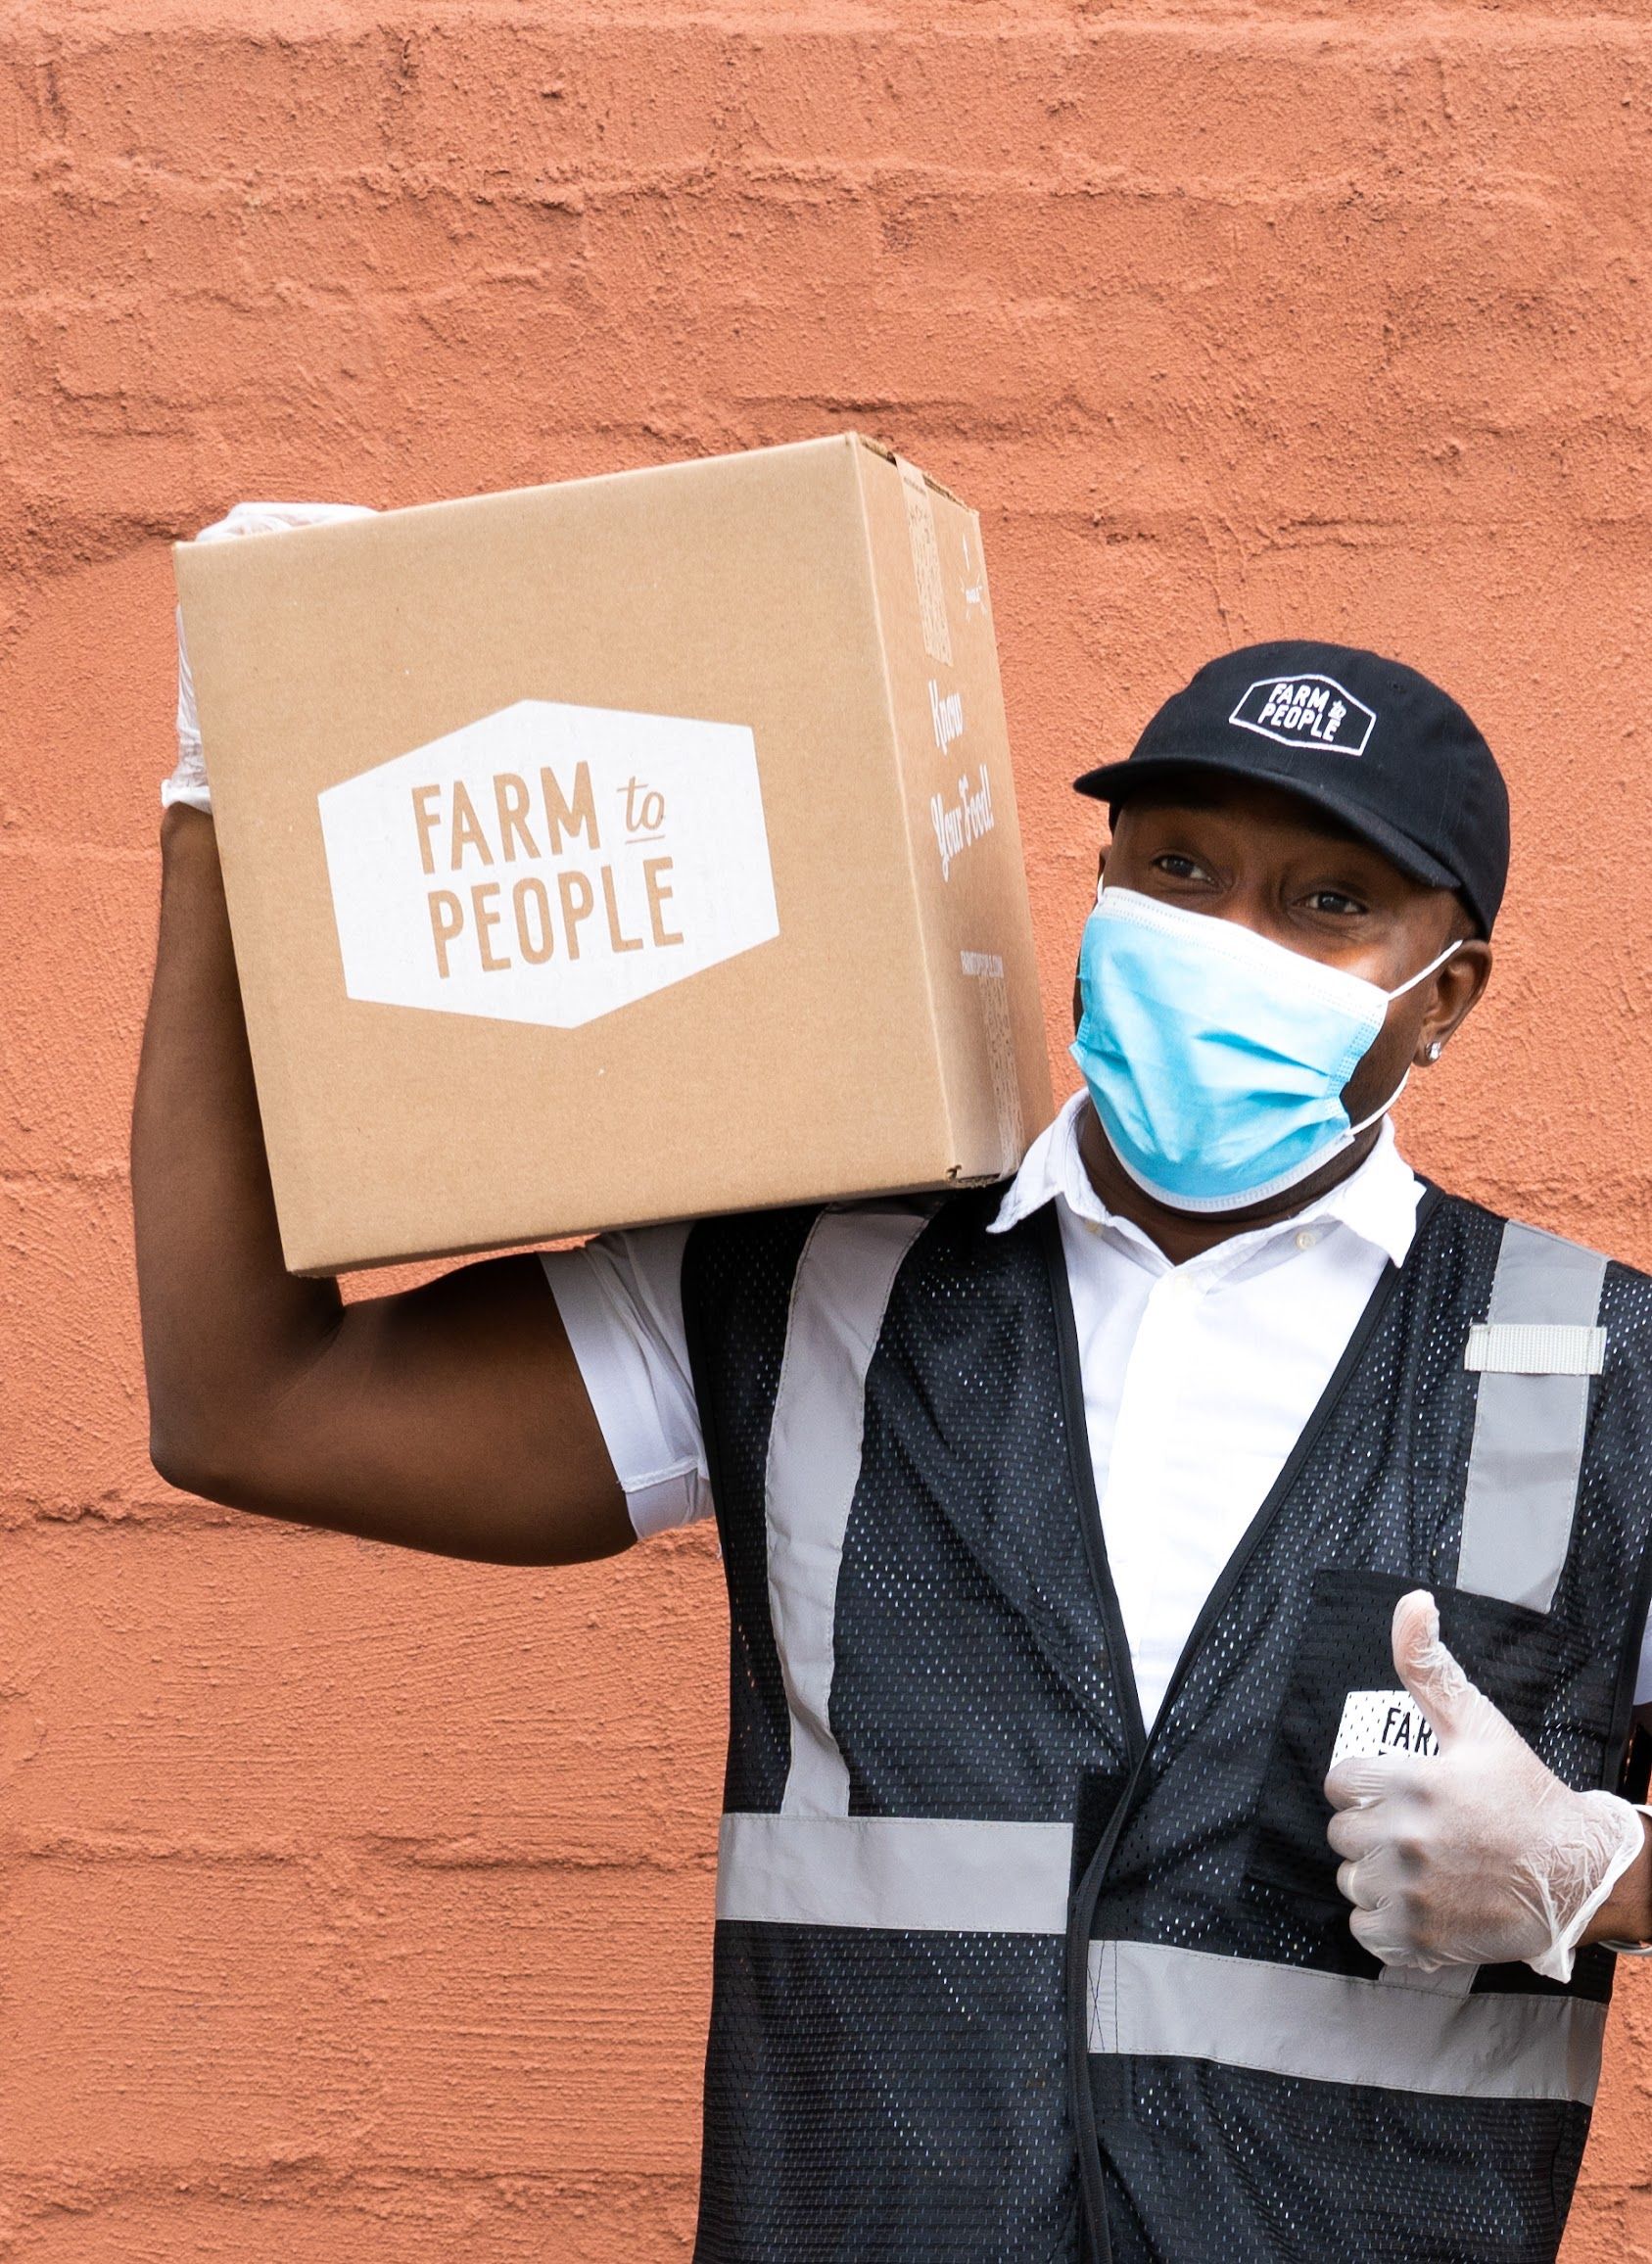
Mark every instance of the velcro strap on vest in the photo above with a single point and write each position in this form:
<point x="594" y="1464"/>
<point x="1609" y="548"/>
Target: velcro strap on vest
<point x="1534" y="1348"/>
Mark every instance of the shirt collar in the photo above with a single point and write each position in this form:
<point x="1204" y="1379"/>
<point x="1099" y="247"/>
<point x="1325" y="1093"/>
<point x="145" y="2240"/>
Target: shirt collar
<point x="1378" y="1201"/>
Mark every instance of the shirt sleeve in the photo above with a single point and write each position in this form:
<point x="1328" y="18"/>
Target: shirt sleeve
<point x="621" y="1302"/>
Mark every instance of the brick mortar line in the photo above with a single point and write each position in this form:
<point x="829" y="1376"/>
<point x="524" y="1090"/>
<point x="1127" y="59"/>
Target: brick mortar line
<point x="72" y="37"/>
<point x="1041" y="415"/>
<point x="568" y="185"/>
<point x="77" y="1175"/>
<point x="91" y="2184"/>
<point x="380" y="1855"/>
<point x="981" y="426"/>
<point x="25" y="1513"/>
<point x="47" y="845"/>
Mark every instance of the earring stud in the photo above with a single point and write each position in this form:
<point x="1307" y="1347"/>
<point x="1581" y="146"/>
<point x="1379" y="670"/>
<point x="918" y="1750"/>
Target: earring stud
<point x="1433" y="1052"/>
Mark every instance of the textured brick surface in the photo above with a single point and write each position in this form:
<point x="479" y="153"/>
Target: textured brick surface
<point x="354" y="1905"/>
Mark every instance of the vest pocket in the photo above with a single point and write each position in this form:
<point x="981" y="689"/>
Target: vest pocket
<point x="1342" y="1686"/>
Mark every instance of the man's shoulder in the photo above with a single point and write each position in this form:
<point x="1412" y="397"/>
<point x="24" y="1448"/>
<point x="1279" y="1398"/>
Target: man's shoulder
<point x="741" y="1246"/>
<point x="1626" y="1290"/>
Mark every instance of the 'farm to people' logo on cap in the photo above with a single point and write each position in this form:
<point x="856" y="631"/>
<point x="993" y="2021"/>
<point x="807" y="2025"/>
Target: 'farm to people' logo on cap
<point x="1305" y="711"/>
<point x="550" y="864"/>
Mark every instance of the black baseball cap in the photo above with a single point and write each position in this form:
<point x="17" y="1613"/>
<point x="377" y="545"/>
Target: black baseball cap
<point x="1385" y="751"/>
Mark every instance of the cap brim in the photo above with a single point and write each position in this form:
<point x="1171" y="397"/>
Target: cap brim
<point x="1115" y="782"/>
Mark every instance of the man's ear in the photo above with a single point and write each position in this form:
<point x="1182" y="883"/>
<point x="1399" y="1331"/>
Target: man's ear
<point x="1077" y="994"/>
<point x="1458" y="989"/>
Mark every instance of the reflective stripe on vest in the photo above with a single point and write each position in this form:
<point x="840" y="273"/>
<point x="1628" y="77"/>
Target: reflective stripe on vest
<point x="839" y="1294"/>
<point x="814" y="1864"/>
<point x="1535" y="1352"/>
<point x="907" y="1873"/>
<point x="1158" y="2001"/>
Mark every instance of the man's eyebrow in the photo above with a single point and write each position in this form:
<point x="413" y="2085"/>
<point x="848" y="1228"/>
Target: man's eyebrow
<point x="1197" y="796"/>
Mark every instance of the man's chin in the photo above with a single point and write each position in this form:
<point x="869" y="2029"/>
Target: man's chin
<point x="1121" y="1191"/>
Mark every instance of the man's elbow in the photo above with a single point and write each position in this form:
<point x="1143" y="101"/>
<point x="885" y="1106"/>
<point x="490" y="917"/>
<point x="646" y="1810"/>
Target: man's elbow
<point x="199" y="1457"/>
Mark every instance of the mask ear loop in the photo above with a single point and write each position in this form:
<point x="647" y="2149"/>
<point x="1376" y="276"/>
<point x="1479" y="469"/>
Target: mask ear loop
<point x="1377" y="1114"/>
<point x="1433" y="967"/>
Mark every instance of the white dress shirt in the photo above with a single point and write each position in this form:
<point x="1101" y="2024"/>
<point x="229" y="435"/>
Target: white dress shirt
<point x="1198" y="1378"/>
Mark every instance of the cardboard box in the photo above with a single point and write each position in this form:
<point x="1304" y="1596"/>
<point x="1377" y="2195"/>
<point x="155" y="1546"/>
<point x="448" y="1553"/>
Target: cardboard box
<point x="619" y="851"/>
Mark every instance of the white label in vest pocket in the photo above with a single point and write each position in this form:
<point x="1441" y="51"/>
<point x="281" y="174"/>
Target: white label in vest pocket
<point x="550" y="864"/>
<point x="1376" y="1724"/>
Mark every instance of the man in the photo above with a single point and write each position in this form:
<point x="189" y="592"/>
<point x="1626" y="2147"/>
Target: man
<point x="1072" y="1533"/>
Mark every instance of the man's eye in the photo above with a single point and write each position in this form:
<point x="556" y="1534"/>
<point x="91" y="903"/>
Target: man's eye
<point x="1180" y="867"/>
<point x="1333" y="900"/>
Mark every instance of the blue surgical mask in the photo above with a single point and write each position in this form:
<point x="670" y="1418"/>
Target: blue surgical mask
<point x="1216" y="1058"/>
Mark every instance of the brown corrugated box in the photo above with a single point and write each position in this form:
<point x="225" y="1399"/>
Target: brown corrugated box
<point x="619" y="851"/>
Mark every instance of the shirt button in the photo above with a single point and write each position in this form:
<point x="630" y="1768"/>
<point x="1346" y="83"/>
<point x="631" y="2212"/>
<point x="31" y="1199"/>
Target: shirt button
<point x="1306" y="1236"/>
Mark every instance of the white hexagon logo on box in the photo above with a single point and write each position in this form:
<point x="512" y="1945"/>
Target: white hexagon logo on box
<point x="550" y="864"/>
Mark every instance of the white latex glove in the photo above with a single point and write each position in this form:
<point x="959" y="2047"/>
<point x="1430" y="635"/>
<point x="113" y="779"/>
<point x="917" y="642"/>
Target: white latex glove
<point x="188" y="783"/>
<point x="1476" y="1855"/>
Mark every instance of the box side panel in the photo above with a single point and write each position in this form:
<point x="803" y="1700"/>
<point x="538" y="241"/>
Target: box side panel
<point x="728" y="598"/>
<point x="281" y="993"/>
<point x="960" y="805"/>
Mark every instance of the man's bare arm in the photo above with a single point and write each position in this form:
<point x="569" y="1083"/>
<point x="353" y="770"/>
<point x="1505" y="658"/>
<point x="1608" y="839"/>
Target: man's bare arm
<point x="1627" y="1914"/>
<point x="450" y="1418"/>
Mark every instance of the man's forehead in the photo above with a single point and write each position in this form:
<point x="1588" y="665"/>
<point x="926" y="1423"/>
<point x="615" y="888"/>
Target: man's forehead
<point x="1243" y="799"/>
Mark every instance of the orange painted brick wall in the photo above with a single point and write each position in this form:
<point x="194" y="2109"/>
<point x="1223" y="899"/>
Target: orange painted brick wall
<point x="354" y="1905"/>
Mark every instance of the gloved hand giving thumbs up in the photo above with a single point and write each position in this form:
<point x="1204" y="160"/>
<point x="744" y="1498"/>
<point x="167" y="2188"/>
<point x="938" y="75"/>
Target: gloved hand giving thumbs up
<point x="1476" y="1855"/>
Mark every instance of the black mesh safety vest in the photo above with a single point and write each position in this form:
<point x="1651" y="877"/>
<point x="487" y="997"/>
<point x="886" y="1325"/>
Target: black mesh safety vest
<point x="998" y="1975"/>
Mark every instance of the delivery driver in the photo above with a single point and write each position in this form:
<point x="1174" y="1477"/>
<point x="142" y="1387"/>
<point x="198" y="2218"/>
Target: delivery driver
<point x="1118" y="1861"/>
